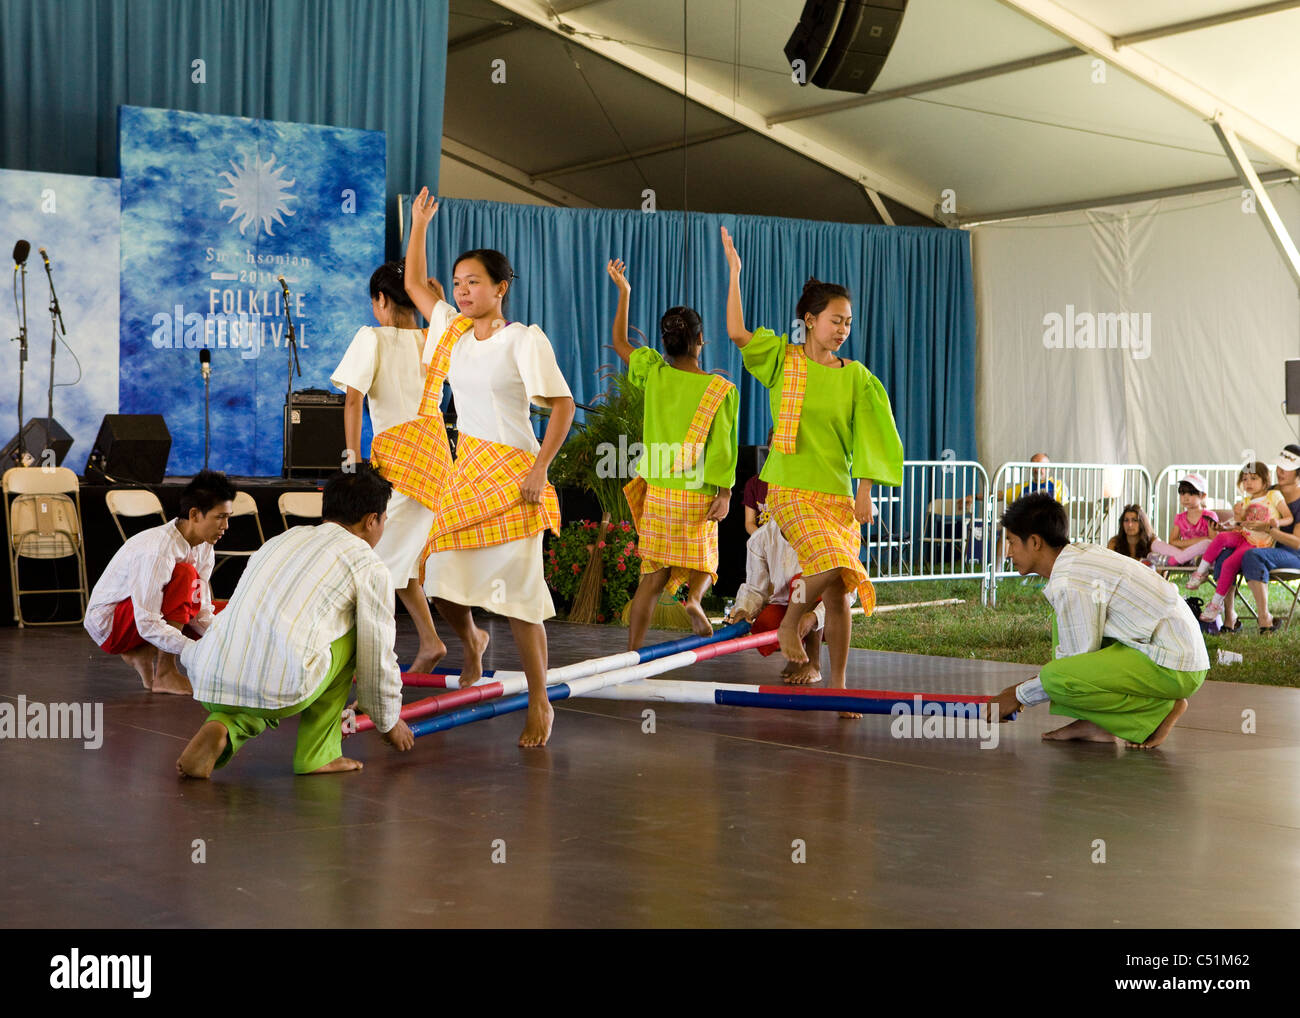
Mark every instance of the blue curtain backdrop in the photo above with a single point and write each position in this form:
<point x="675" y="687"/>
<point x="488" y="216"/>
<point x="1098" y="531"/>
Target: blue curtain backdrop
<point x="913" y="299"/>
<point x="66" y="66"/>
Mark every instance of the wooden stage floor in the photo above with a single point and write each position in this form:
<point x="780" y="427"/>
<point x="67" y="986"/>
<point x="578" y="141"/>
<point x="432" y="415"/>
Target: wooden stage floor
<point x="694" y="825"/>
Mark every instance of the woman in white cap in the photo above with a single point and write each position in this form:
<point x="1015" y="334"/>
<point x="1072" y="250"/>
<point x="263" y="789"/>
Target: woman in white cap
<point x="1285" y="552"/>
<point x="1191" y="533"/>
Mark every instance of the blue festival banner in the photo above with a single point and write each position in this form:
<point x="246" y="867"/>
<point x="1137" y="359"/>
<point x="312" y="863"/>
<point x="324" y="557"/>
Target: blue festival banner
<point x="215" y="210"/>
<point x="77" y="220"/>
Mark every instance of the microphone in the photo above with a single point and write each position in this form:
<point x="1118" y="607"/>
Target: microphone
<point x="205" y="363"/>
<point x="21" y="250"/>
<point x="44" y="257"/>
<point x="283" y="285"/>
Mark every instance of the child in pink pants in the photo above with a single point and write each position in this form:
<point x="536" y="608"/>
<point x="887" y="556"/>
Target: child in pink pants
<point x="1261" y="504"/>
<point x="1191" y="535"/>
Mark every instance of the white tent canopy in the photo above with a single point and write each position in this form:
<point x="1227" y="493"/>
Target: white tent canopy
<point x="987" y="111"/>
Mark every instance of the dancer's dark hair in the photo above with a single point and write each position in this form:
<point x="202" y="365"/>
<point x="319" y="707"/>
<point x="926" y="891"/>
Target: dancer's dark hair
<point x="680" y="328"/>
<point x="387" y="279"/>
<point x="816" y="295"/>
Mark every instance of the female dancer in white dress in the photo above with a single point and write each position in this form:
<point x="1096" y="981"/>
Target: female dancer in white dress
<point x="487" y="538"/>
<point x="387" y="365"/>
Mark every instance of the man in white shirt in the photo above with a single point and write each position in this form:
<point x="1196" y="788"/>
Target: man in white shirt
<point x="771" y="577"/>
<point x="1128" y="649"/>
<point x="158" y="584"/>
<point x="313" y="608"/>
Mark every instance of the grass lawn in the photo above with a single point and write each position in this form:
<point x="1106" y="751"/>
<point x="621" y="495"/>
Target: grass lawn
<point x="1019" y="629"/>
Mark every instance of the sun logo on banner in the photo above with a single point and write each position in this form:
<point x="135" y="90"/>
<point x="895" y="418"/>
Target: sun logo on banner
<point x="257" y="192"/>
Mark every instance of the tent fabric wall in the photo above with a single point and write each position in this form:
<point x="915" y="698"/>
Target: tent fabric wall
<point x="912" y="287"/>
<point x="65" y="68"/>
<point x="1201" y="382"/>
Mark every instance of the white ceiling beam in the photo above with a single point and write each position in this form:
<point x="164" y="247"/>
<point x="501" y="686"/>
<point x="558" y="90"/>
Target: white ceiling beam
<point x="881" y="210"/>
<point x="912" y="194"/>
<point x="933" y="85"/>
<point x="511" y="175"/>
<point x="1131" y="198"/>
<point x="1210" y="21"/>
<point x="1186" y="93"/>
<point x="1277" y="230"/>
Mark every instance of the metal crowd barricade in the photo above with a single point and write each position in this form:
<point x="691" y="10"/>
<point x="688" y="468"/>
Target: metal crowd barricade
<point x="931" y="527"/>
<point x="1220" y="479"/>
<point x="1094" y="496"/>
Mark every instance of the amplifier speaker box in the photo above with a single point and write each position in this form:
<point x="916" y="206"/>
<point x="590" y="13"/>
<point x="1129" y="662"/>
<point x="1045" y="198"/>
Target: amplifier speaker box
<point x="313" y="433"/>
<point x="1293" y="387"/>
<point x="131" y="447"/>
<point x="844" y="43"/>
<point x="36" y="442"/>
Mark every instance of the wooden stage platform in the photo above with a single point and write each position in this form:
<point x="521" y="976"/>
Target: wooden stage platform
<point x="695" y="825"/>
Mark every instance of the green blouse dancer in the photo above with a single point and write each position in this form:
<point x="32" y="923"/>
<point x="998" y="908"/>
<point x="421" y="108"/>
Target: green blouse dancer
<point x="833" y="425"/>
<point x="686" y="473"/>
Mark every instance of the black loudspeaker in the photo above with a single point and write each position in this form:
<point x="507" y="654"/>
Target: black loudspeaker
<point x="844" y="43"/>
<point x="35" y="444"/>
<point x="314" y="438"/>
<point x="131" y="447"/>
<point x="1293" y="387"/>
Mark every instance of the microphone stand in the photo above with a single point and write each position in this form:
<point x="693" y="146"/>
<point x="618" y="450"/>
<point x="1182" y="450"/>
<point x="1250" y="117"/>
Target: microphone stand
<point x="21" y="340"/>
<point x="207" y="381"/>
<point x="56" y="326"/>
<point x="288" y="392"/>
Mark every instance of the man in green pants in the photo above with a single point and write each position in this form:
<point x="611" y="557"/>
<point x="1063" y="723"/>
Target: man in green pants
<point x="1128" y="650"/>
<point x="313" y="608"/>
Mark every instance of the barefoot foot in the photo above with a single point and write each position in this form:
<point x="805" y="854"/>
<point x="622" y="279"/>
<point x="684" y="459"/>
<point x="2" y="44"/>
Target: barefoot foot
<point x="170" y="680"/>
<point x="700" y="624"/>
<point x="1080" y="731"/>
<point x="339" y="765"/>
<point x="806" y="674"/>
<point x="426" y="659"/>
<point x="472" y="670"/>
<point x="1166" y="726"/>
<point x="142" y="660"/>
<point x="202" y="752"/>
<point x="537" y="729"/>
<point x="849" y="715"/>
<point x="791" y="645"/>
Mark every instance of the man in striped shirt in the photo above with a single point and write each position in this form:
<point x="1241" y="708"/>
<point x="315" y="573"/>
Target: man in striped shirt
<point x="313" y="608"/>
<point x="158" y="584"/>
<point x="1128" y="649"/>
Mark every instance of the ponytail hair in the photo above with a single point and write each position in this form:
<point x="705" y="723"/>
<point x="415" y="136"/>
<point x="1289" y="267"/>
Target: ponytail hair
<point x="387" y="279"/>
<point x="816" y="295"/>
<point x="680" y="328"/>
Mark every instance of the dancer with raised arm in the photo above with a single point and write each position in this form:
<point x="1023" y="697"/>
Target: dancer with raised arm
<point x="387" y="366"/>
<point x="486" y="543"/>
<point x="833" y="425"/>
<point x="686" y="473"/>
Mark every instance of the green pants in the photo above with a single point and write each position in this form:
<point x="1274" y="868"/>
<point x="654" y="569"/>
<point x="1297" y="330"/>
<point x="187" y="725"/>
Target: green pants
<point x="320" y="732"/>
<point x="1118" y="688"/>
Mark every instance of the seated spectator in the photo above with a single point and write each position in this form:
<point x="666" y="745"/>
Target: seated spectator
<point x="1135" y="534"/>
<point x="756" y="498"/>
<point x="1285" y="552"/>
<point x="1039" y="480"/>
<point x="1191" y="533"/>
